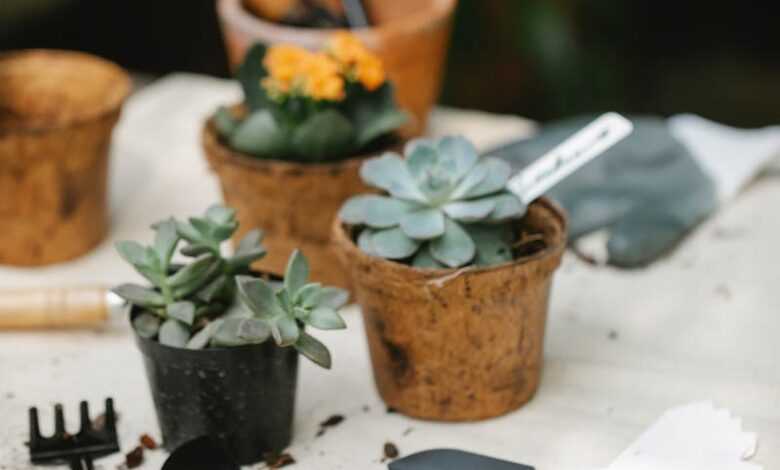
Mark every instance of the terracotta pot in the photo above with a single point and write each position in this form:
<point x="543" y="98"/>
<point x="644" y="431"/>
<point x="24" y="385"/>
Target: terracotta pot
<point x="293" y="203"/>
<point x="57" y="111"/>
<point x="410" y="36"/>
<point x="457" y="345"/>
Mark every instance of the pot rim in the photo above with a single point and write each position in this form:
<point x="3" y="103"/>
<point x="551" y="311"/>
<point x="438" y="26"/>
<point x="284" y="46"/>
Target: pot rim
<point x="555" y="248"/>
<point x="439" y="11"/>
<point x="121" y="77"/>
<point x="215" y="148"/>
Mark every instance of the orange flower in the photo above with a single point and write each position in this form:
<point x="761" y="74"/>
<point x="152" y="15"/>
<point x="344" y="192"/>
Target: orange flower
<point x="346" y="48"/>
<point x="283" y="63"/>
<point x="321" y="78"/>
<point x="370" y="72"/>
<point x="357" y="62"/>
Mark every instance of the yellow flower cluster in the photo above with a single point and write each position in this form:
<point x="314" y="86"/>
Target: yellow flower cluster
<point x="322" y="75"/>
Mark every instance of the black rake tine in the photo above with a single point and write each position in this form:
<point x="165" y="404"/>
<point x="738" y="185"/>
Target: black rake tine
<point x="59" y="420"/>
<point x="110" y="416"/>
<point x="86" y="423"/>
<point x="88" y="463"/>
<point x="35" y="431"/>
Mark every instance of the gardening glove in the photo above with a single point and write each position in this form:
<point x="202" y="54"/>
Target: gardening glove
<point x="649" y="190"/>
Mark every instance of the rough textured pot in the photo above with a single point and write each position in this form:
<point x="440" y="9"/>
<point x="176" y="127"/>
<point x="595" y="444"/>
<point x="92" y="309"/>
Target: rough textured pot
<point x="293" y="203"/>
<point x="410" y="36"/>
<point x="243" y="397"/>
<point x="457" y="345"/>
<point x="57" y="111"/>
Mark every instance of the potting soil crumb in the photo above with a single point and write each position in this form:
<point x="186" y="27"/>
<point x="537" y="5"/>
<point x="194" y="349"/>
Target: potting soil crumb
<point x="274" y="460"/>
<point x="148" y="442"/>
<point x="135" y="457"/>
<point x="334" y="420"/>
<point x="390" y="451"/>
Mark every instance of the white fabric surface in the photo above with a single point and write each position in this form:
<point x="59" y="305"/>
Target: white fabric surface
<point x="622" y="347"/>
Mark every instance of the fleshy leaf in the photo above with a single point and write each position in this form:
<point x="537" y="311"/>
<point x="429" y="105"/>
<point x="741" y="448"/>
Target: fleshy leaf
<point x="455" y="248"/>
<point x="424" y="259"/>
<point x="389" y="172"/>
<point x="174" y="333"/>
<point x="392" y="243"/>
<point x="253" y="330"/>
<point x="493" y="243"/>
<point x="227" y="333"/>
<point x="139" y="295"/>
<point x="165" y="240"/>
<point x="202" y="338"/>
<point x="366" y="241"/>
<point x="421" y="156"/>
<point x="220" y="214"/>
<point x="225" y="122"/>
<point x="314" y="350"/>
<point x="353" y="211"/>
<point x="250" y="242"/>
<point x="285" y="330"/>
<point x="470" y="211"/>
<point x="498" y="172"/>
<point x="333" y="297"/>
<point x="326" y="318"/>
<point x="296" y="274"/>
<point x="260" y="135"/>
<point x="508" y="206"/>
<point x="258" y="296"/>
<point x="146" y="325"/>
<point x="182" y="311"/>
<point x="309" y="295"/>
<point x="194" y="275"/>
<point x="423" y="224"/>
<point x="324" y="134"/>
<point x="457" y="155"/>
<point x="385" y="212"/>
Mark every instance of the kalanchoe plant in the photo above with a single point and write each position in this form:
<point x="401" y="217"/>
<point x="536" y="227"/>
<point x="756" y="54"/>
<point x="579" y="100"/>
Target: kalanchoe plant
<point x="196" y="304"/>
<point x="445" y="207"/>
<point x="307" y="106"/>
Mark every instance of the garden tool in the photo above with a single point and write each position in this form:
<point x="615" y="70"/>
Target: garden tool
<point x="76" y="450"/>
<point x="57" y="307"/>
<point x="451" y="459"/>
<point x="648" y="191"/>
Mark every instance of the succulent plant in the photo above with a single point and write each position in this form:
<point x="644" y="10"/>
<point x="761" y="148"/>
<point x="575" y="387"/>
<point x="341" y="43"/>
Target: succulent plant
<point x="307" y="106"/>
<point x="445" y="207"/>
<point x="196" y="304"/>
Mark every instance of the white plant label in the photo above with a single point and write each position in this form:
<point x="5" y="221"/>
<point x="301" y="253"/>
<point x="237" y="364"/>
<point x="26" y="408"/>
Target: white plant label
<point x="587" y="144"/>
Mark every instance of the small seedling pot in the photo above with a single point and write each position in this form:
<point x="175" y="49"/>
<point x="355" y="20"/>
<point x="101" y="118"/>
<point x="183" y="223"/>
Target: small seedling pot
<point x="57" y="112"/>
<point x="457" y="344"/>
<point x="243" y="397"/>
<point x="410" y="36"/>
<point x="293" y="203"/>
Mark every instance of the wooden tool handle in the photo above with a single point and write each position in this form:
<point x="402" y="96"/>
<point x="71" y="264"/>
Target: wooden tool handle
<point x="52" y="307"/>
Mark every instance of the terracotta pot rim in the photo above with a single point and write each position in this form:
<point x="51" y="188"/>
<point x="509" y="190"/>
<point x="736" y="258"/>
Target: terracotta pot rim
<point x="234" y="157"/>
<point x="555" y="247"/>
<point x="121" y="77"/>
<point x="434" y="14"/>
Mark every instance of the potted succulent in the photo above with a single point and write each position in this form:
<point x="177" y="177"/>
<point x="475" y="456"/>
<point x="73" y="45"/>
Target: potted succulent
<point x="453" y="275"/>
<point x="57" y="112"/>
<point x="288" y="156"/>
<point x="410" y="37"/>
<point x="220" y="342"/>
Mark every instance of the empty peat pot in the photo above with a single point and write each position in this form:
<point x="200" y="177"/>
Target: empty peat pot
<point x="294" y="203"/>
<point x="457" y="344"/>
<point x="57" y="112"/>
<point x="410" y="36"/>
<point x="241" y="397"/>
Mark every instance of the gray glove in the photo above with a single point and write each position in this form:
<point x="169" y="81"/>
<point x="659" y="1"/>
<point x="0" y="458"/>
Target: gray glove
<point x="648" y="191"/>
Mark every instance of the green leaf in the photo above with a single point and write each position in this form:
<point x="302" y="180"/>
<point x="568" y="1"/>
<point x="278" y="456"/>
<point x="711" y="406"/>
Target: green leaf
<point x="221" y="215"/>
<point x="374" y="113"/>
<point x="508" y="206"/>
<point x="498" y="172"/>
<point x="457" y="155"/>
<point x="473" y="179"/>
<point x="333" y="297"/>
<point x="470" y="211"/>
<point x="146" y="325"/>
<point x="250" y="74"/>
<point x="389" y="172"/>
<point x="455" y="248"/>
<point x="249" y="250"/>
<point x="225" y="122"/>
<point x="202" y="338"/>
<point x="212" y="290"/>
<point x="194" y="275"/>
<point x="174" y="333"/>
<point x="314" y="350"/>
<point x="324" y="134"/>
<point x="326" y="318"/>
<point x="260" y="135"/>
<point x="380" y="123"/>
<point x="424" y="259"/>
<point x="296" y="273"/>
<point x="132" y="252"/>
<point x="493" y="243"/>
<point x="253" y="330"/>
<point x="182" y="311"/>
<point x="423" y="224"/>
<point x="250" y="242"/>
<point x="353" y="211"/>
<point x="392" y="243"/>
<point x="259" y="297"/>
<point x="165" y="241"/>
<point x="366" y="241"/>
<point x="285" y="330"/>
<point x="188" y="232"/>
<point x="139" y="295"/>
<point x="309" y="295"/>
<point x="421" y="156"/>
<point x="385" y="212"/>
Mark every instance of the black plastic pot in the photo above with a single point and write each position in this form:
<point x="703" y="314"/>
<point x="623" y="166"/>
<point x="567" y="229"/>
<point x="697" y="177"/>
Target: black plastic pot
<point x="243" y="397"/>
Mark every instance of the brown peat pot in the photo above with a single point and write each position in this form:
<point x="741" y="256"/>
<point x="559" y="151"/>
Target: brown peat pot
<point x="457" y="344"/>
<point x="410" y="36"/>
<point x="293" y="203"/>
<point x="57" y="111"/>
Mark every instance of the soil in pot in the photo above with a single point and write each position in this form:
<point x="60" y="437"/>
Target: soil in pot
<point x="456" y="345"/>
<point x="57" y="112"/>
<point x="244" y="397"/>
<point x="410" y="36"/>
<point x="294" y="203"/>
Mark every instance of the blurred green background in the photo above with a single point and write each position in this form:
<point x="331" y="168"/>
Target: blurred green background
<point x="539" y="58"/>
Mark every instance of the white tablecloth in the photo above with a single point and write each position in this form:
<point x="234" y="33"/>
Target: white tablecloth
<point x="622" y="346"/>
